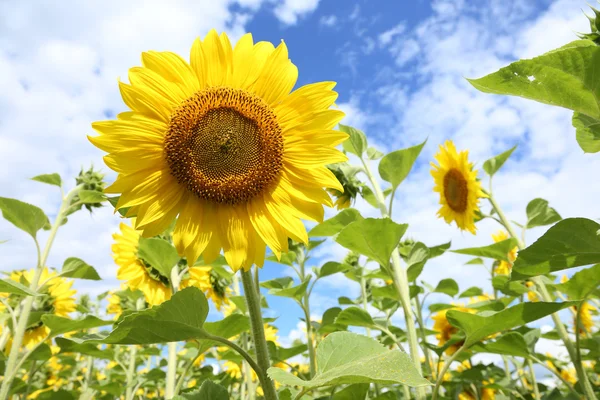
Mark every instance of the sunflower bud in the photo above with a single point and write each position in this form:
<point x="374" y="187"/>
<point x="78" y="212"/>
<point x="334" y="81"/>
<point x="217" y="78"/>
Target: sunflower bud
<point x="405" y="247"/>
<point x="92" y="181"/>
<point x="594" y="35"/>
<point x="346" y="175"/>
<point x="352" y="259"/>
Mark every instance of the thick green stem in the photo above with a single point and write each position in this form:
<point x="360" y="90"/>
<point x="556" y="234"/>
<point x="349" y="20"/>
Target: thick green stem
<point x="309" y="329"/>
<point x="247" y="386"/>
<point x="543" y="290"/>
<point x="171" y="370"/>
<point x="428" y="362"/>
<point x="363" y="291"/>
<point x="536" y="390"/>
<point x="441" y="374"/>
<point x="258" y="334"/>
<point x="400" y="282"/>
<point x="89" y="365"/>
<point x="19" y="332"/>
<point x="129" y="392"/>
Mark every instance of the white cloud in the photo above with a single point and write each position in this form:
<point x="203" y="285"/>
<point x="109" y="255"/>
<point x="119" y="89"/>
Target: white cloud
<point x="328" y="20"/>
<point x="289" y="11"/>
<point x="386" y="37"/>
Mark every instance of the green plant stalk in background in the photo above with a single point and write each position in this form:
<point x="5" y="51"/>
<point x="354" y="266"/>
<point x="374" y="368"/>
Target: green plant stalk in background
<point x="400" y="282"/>
<point x="13" y="357"/>
<point x="172" y="346"/>
<point x="258" y="334"/>
<point x="306" y="308"/>
<point x="543" y="290"/>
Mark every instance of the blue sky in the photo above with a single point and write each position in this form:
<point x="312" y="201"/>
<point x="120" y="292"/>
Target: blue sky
<point x="400" y="68"/>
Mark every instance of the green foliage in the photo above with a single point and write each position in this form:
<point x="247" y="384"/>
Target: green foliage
<point x="76" y="268"/>
<point x="50" y="179"/>
<point x="208" y="391"/>
<point x="447" y="286"/>
<point x="357" y="140"/>
<point x="158" y="253"/>
<point x="334" y="225"/>
<point x="492" y="165"/>
<point x="345" y="357"/>
<point x="539" y="213"/>
<point x="587" y="132"/>
<point x="24" y="216"/>
<point x="10" y="286"/>
<point x="356" y="317"/>
<point x="582" y="283"/>
<point x="497" y="251"/>
<point x="395" y="166"/>
<point x="59" y="325"/>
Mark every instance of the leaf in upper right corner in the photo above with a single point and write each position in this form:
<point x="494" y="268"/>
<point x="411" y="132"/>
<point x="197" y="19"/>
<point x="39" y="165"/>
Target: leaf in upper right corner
<point x="572" y="242"/>
<point x="539" y="213"/>
<point x="24" y="216"/>
<point x="587" y="132"/>
<point x="565" y="77"/>
<point x="349" y="358"/>
<point x="394" y="167"/>
<point x="492" y="165"/>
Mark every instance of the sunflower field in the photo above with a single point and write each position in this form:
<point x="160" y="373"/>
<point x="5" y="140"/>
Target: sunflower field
<point x="224" y="168"/>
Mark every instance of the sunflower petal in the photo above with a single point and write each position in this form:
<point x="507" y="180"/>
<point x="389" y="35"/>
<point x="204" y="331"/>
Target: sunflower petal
<point x="277" y="78"/>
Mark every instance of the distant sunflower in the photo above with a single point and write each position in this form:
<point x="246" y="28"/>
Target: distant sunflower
<point x="223" y="144"/>
<point x="446" y="330"/>
<point x="214" y="288"/>
<point x="585" y="318"/>
<point x="114" y="305"/>
<point x="504" y="267"/>
<point x="456" y="182"/>
<point x="58" y="299"/>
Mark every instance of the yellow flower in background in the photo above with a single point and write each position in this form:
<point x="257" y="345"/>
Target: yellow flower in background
<point x="480" y="298"/>
<point x="531" y="295"/>
<point x="114" y="305"/>
<point x="232" y="369"/>
<point x="456" y="182"/>
<point x="585" y="318"/>
<point x="446" y="330"/>
<point x="466" y="396"/>
<point x="271" y="334"/>
<point x="504" y="267"/>
<point x="488" y="393"/>
<point x="221" y="143"/>
<point x="213" y="288"/>
<point x="564" y="279"/>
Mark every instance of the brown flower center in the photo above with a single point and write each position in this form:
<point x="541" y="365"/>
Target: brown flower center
<point x="224" y="145"/>
<point x="455" y="190"/>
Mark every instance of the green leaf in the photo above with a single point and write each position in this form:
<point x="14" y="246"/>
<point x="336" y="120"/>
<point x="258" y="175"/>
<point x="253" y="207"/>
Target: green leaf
<point x="374" y="154"/>
<point x="59" y="325"/>
<point x="540" y="214"/>
<point x="352" y="392"/>
<point x="50" y="179"/>
<point x="332" y="267"/>
<point x="418" y="256"/>
<point x="355" y="316"/>
<point x="159" y="253"/>
<point x="475" y="261"/>
<point x="68" y="346"/>
<point x="208" y="391"/>
<point x="24" y="216"/>
<point x="447" y="286"/>
<point x="572" y="242"/>
<point x="230" y="326"/>
<point x="478" y="327"/>
<point x="91" y="196"/>
<point x="76" y="268"/>
<point x="334" y="225"/>
<point x="10" y="286"/>
<point x="510" y="344"/>
<point x="294" y="292"/>
<point x="438" y="250"/>
<point x="348" y="358"/>
<point x="172" y="321"/>
<point x="492" y="165"/>
<point x="508" y="287"/>
<point x="565" y="77"/>
<point x="497" y="251"/>
<point x="394" y="167"/>
<point x="582" y="283"/>
<point x="375" y="238"/>
<point x="471" y="292"/>
<point x="587" y="132"/>
<point x="278" y="283"/>
<point x="42" y="353"/>
<point x="357" y="141"/>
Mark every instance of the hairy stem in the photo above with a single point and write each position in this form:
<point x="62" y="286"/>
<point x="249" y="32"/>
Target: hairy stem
<point x="441" y="374"/>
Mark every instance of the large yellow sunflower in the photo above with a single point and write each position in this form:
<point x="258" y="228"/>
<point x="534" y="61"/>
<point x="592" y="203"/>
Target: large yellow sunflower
<point x="504" y="267"/>
<point x="223" y="144"/>
<point x="457" y="184"/>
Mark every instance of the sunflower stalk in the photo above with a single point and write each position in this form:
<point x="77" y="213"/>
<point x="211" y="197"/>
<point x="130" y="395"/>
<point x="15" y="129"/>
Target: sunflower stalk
<point x="258" y="334"/>
<point x="400" y="282"/>
<point x="170" y="391"/>
<point x="13" y="357"/>
<point x="247" y="386"/>
<point x="306" y="309"/>
<point x="543" y="291"/>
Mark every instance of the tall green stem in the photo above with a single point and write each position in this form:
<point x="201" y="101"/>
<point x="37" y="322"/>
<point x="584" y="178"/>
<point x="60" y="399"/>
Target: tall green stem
<point x="536" y="390"/>
<point x="543" y="290"/>
<point x="400" y="282"/>
<point x="441" y="374"/>
<point x="172" y="346"/>
<point x="247" y="386"/>
<point x="258" y="334"/>
<point x="306" y="307"/>
<point x="129" y="393"/>
<point x="428" y="362"/>
<point x="19" y="332"/>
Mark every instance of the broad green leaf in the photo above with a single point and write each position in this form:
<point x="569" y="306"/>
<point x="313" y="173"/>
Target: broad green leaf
<point x="172" y="321"/>
<point x="418" y="256"/>
<point x="478" y="327"/>
<point x="50" y="179"/>
<point x="394" y="167"/>
<point x="582" y="283"/>
<point x="387" y="292"/>
<point x="159" y="253"/>
<point x="492" y="165"/>
<point x="332" y="267"/>
<point x="295" y="292"/>
<point x="68" y="346"/>
<point x="475" y="261"/>
<point x="472" y="291"/>
<point x="447" y="286"/>
<point x="540" y="214"/>
<point x="508" y="287"/>
<point x="348" y="358"/>
<point x="565" y="77"/>
<point x="572" y="242"/>
<point x="438" y="250"/>
<point x="278" y="283"/>
<point x="587" y="132"/>
<point x="24" y="216"/>
<point x="10" y="286"/>
<point x="91" y="196"/>
<point x="369" y="196"/>
<point x="334" y="225"/>
<point x="230" y="326"/>
<point x="439" y="307"/>
<point x="497" y="251"/>
<point x="509" y="344"/>
<point x="42" y="353"/>
<point x="59" y="325"/>
<point x="375" y="238"/>
<point x="76" y="268"/>
<point x="357" y="140"/>
<point x="355" y="316"/>
<point x="374" y="154"/>
<point x="328" y="324"/>
<point x="208" y="391"/>
<point x="357" y="391"/>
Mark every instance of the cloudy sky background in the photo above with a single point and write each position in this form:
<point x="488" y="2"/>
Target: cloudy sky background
<point x="400" y="68"/>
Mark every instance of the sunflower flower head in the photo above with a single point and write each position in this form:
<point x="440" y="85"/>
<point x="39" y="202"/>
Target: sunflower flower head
<point x="224" y="146"/>
<point x="456" y="182"/>
<point x="586" y="322"/>
<point x="214" y="286"/>
<point x="446" y="330"/>
<point x="351" y="185"/>
<point x="504" y="267"/>
<point x="91" y="180"/>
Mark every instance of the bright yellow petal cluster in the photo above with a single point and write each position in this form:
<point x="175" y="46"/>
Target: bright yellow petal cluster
<point x="445" y="329"/>
<point x="456" y="182"/>
<point x="504" y="267"/>
<point x="201" y="278"/>
<point x="223" y="144"/>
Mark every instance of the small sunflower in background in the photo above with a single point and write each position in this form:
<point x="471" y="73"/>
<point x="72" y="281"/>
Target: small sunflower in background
<point x="446" y="330"/>
<point x="586" y="322"/>
<point x="504" y="268"/>
<point x="223" y="144"/>
<point x="346" y="174"/>
<point x="214" y="287"/>
<point x="456" y="182"/>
